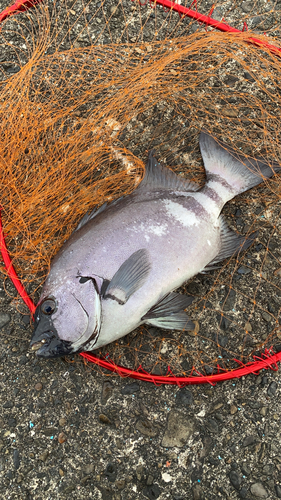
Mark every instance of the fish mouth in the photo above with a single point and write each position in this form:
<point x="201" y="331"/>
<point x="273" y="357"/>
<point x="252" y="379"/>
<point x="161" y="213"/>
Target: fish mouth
<point x="45" y="341"/>
<point x="48" y="345"/>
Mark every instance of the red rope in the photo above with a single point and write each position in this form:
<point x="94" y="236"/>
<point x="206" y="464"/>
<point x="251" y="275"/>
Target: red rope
<point x="11" y="270"/>
<point x="18" y="6"/>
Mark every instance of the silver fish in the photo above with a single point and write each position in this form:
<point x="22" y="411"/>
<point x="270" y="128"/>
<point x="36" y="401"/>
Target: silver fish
<point x="120" y="267"/>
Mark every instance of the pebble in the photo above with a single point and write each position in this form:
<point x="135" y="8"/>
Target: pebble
<point x="152" y="492"/>
<point x="212" y="425"/>
<point x="229" y="300"/>
<point x="89" y="469"/>
<point x="130" y="389"/>
<point x="278" y="490"/>
<point x="247" y="6"/>
<point x="104" y="419"/>
<point x="146" y="428"/>
<point x="38" y="386"/>
<point x="8" y="404"/>
<point x="197" y="492"/>
<point x="180" y="428"/>
<point x="62" y="422"/>
<point x="16" y="459"/>
<point x="235" y="479"/>
<point x="249" y="440"/>
<point x="244" y="270"/>
<point x="233" y="409"/>
<point x="120" y="484"/>
<point x="44" y="456"/>
<point x="111" y="472"/>
<point x="62" y="437"/>
<point x="258" y="490"/>
<point x="246" y="469"/>
<point x="243" y="493"/>
<point x="61" y="472"/>
<point x="5" y="318"/>
<point x="272" y="389"/>
<point x="267" y="317"/>
<point x="106" y="393"/>
<point x="184" y="397"/>
<point x="263" y="411"/>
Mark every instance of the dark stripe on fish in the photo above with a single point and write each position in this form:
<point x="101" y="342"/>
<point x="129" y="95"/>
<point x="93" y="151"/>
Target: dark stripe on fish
<point x="223" y="182"/>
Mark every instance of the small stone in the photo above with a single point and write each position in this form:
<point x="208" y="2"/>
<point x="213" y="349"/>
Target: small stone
<point x="267" y="317"/>
<point x="104" y="419"/>
<point x="249" y="440"/>
<point x="89" y="469"/>
<point x="229" y="299"/>
<point x="149" y="480"/>
<point x="8" y="404"/>
<point x="62" y="437"/>
<point x="278" y="490"/>
<point x="243" y="493"/>
<point x="130" y="389"/>
<point x="272" y="389"/>
<point x="61" y="472"/>
<point x="263" y="411"/>
<point x="179" y="429"/>
<point x="38" y="386"/>
<point x="120" y="484"/>
<point x="16" y="459"/>
<point x="197" y="492"/>
<point x="62" y="422"/>
<point x="212" y="425"/>
<point x="44" y="456"/>
<point x="229" y="111"/>
<point x="258" y="490"/>
<point x="106" y="393"/>
<point x="247" y="6"/>
<point x="146" y="428"/>
<point x="235" y="479"/>
<point x="5" y="318"/>
<point x="184" y="397"/>
<point x="69" y="488"/>
<point x="111" y="472"/>
<point x="246" y="469"/>
<point x="244" y="270"/>
<point x="248" y="326"/>
<point x="166" y="477"/>
<point x="152" y="492"/>
<point x="233" y="409"/>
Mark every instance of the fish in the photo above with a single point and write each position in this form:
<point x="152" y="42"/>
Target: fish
<point x="122" y="264"/>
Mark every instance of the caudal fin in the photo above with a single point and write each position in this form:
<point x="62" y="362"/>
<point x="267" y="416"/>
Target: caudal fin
<point x="236" y="172"/>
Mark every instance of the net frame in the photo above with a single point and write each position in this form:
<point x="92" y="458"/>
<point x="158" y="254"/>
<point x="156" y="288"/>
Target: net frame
<point x="268" y="359"/>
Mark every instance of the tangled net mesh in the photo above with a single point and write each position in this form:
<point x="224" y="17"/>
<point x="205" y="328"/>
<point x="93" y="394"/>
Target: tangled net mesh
<point x="85" y="92"/>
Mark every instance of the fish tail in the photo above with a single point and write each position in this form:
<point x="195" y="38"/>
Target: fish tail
<point x="230" y="173"/>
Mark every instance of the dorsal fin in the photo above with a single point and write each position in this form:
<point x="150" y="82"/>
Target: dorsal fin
<point x="159" y="177"/>
<point x="88" y="216"/>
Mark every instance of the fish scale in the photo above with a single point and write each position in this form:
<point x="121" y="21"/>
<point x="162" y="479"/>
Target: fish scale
<point x="120" y="267"/>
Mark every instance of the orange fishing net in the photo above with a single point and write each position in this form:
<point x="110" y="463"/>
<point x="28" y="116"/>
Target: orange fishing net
<point x="86" y="90"/>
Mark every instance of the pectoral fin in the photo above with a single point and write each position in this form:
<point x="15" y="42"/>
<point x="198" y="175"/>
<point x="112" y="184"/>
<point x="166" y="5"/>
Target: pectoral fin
<point x="129" y="277"/>
<point x="168" y="313"/>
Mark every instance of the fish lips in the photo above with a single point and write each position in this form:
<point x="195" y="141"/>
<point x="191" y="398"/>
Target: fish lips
<point x="45" y="340"/>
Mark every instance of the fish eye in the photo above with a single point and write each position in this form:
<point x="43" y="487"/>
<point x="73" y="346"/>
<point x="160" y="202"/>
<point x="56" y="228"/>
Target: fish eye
<point x="48" y="306"/>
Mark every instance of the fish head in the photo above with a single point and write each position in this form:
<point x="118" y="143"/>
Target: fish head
<point x="67" y="318"/>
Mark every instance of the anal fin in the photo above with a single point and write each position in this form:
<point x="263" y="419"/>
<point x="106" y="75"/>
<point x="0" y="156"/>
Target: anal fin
<point x="168" y="313"/>
<point x="231" y="244"/>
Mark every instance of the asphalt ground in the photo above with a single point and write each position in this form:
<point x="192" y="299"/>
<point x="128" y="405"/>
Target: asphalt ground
<point x="70" y="430"/>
